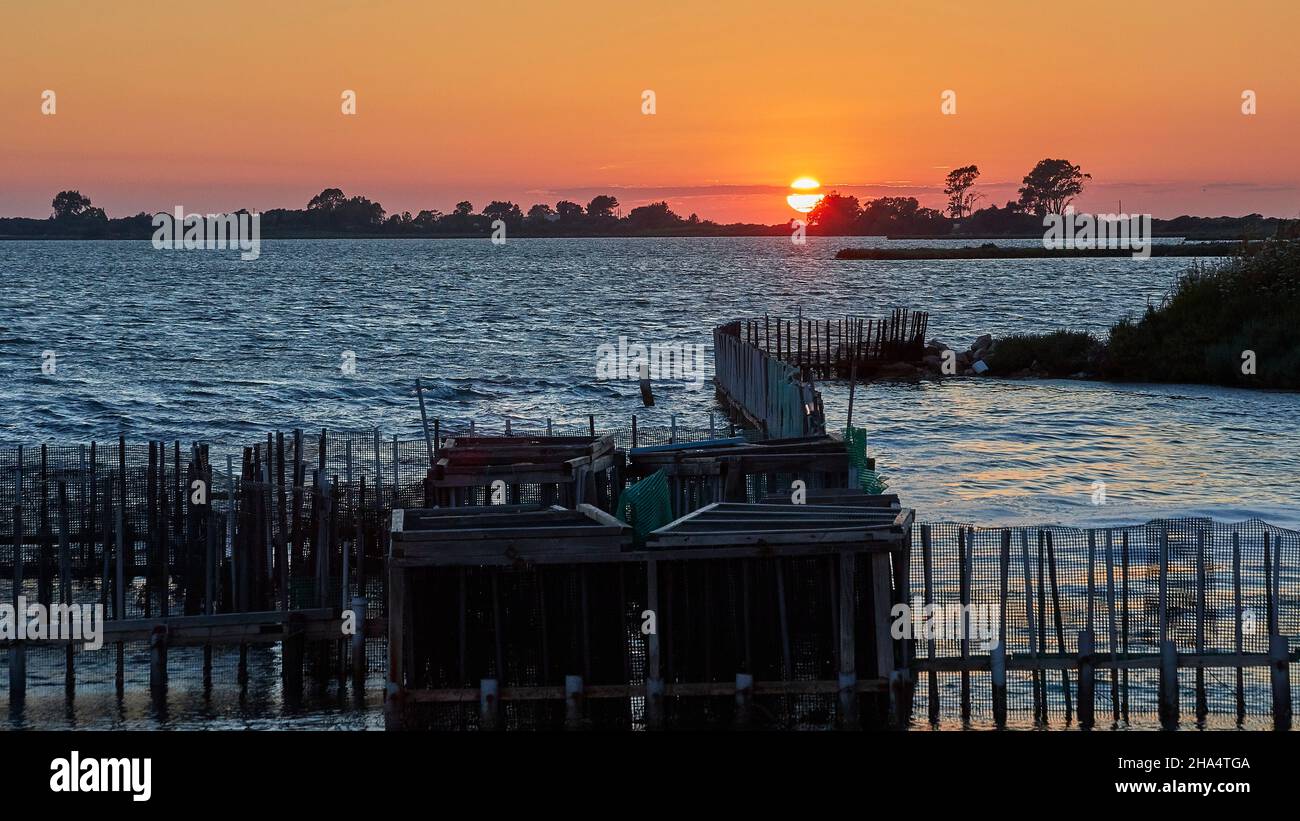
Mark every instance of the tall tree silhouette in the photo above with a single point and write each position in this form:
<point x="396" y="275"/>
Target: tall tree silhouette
<point x="957" y="186"/>
<point x="1051" y="186"/>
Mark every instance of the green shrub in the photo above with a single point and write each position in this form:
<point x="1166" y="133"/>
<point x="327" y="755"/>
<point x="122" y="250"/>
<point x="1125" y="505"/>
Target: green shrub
<point x="1215" y="313"/>
<point x="1059" y="353"/>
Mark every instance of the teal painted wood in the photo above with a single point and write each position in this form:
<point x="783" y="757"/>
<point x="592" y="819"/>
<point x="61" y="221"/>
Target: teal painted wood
<point x="767" y="389"/>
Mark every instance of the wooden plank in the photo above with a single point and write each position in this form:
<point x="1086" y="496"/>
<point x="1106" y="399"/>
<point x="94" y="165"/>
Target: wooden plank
<point x="848" y="704"/>
<point x="1086" y="679"/>
<point x="654" y="685"/>
<point x="1279" y="656"/>
<point x="1202" y="704"/>
<point x="1029" y="618"/>
<point x="1110" y="610"/>
<point x="1238" y="612"/>
<point x="928" y="569"/>
<point x="1060" y="630"/>
<point x="998" y="665"/>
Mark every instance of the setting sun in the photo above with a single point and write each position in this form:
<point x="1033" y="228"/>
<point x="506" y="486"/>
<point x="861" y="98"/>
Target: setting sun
<point x="805" y="198"/>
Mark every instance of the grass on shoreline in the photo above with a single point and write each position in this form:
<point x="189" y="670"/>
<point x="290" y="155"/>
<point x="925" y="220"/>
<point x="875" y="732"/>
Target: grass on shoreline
<point x="1229" y="322"/>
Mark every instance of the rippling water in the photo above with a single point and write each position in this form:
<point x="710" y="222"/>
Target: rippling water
<point x="199" y="345"/>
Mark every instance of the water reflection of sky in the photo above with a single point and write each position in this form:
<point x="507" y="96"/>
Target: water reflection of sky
<point x="1001" y="452"/>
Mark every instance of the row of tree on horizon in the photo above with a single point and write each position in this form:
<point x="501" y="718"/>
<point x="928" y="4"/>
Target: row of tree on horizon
<point x="1049" y="188"/>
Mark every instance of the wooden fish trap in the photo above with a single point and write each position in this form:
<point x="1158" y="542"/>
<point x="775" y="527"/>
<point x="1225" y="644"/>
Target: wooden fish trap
<point x="735" y="471"/>
<point x="737" y="615"/>
<point x="569" y="470"/>
<point x="834" y="348"/>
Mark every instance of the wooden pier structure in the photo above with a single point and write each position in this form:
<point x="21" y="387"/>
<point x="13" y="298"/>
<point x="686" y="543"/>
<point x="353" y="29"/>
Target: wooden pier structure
<point x="761" y="390"/>
<point x="735" y="615"/>
<point x="736" y="471"/>
<point x="551" y="610"/>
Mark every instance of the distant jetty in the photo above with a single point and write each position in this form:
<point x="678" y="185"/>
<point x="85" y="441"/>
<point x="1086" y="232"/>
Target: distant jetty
<point x="991" y="250"/>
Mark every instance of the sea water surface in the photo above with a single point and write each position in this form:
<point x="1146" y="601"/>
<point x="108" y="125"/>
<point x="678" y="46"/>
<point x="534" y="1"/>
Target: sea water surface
<point x="202" y="345"/>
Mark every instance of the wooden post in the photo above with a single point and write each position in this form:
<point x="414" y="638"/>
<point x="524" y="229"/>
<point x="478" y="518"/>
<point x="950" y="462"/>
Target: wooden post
<point x="573" y="702"/>
<point x="654" y="685"/>
<point x="647" y="395"/>
<point x="1029" y="621"/>
<point x="359" y="646"/>
<point x="1042" y="623"/>
<point x="1092" y="583"/>
<point x="1168" y="685"/>
<point x="158" y="665"/>
<point x="282" y="535"/>
<point x="744" y="700"/>
<point x="1202" y="705"/>
<point x="927" y="565"/>
<point x="119" y="582"/>
<point x="1124" y="622"/>
<point x="787" y="662"/>
<point x="998" y="658"/>
<point x="293" y="650"/>
<point x="230" y="531"/>
<point x="1279" y="663"/>
<point x="379" y="474"/>
<point x="489" y="705"/>
<point x="395" y="716"/>
<point x="965" y="544"/>
<point x="1086" y="679"/>
<point x="1163" y="601"/>
<point x="848" y="676"/>
<point x="424" y="421"/>
<point x="1060" y="629"/>
<point x="65" y="587"/>
<point x="397" y="479"/>
<point x="209" y="577"/>
<point x="1270" y="603"/>
<point x="882" y="604"/>
<point x="1110" y="609"/>
<point x="17" y="650"/>
<point x="1236" y="624"/>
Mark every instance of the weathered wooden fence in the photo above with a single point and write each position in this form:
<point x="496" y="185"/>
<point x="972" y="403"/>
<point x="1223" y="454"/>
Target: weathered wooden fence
<point x="766" y="392"/>
<point x="1183" y="621"/>
<point x="837" y="348"/>
<point x="1187" y="620"/>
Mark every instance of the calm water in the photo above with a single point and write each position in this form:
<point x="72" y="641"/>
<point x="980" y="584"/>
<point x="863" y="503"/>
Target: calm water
<point x="199" y="345"/>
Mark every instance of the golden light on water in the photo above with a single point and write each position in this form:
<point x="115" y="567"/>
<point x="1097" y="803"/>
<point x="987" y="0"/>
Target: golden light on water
<point x="805" y="196"/>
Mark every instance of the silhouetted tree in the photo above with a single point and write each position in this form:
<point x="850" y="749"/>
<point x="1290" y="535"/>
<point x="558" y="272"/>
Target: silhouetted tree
<point x="601" y="207"/>
<point x="958" y="185"/>
<point x="1051" y="186"/>
<point x="327" y="200"/>
<point x="428" y="219"/>
<point x="653" y="216"/>
<point x="1011" y="220"/>
<point x="569" y="212"/>
<point x="73" y="205"/>
<point x="834" y="214"/>
<point x="540" y="214"/>
<point x="505" y="211"/>
<point x="894" y="216"/>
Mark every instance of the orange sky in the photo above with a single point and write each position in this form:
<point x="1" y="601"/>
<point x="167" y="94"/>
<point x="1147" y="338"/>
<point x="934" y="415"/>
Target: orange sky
<point x="217" y="106"/>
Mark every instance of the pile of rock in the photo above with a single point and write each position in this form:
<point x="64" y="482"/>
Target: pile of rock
<point x="970" y="362"/>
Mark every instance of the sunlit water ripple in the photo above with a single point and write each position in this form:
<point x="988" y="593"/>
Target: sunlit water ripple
<point x="199" y="345"/>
